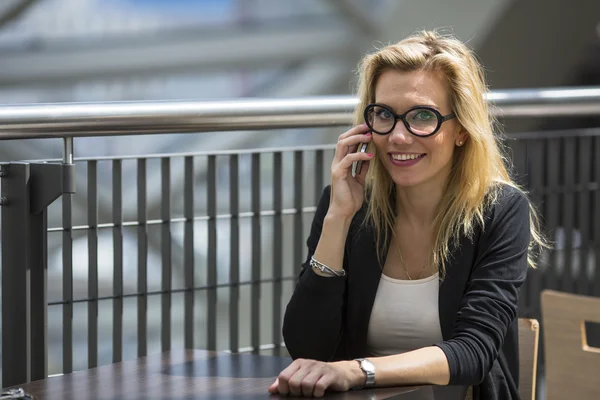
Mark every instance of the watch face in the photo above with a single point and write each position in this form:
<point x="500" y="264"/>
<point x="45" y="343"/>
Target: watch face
<point x="368" y="366"/>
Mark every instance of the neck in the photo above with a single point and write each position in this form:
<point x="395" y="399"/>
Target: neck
<point x="418" y="205"/>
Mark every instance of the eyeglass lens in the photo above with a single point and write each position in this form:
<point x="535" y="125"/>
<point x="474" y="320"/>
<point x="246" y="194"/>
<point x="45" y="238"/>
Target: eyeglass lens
<point x="422" y="121"/>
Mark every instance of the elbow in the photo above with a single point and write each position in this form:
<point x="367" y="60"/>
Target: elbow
<point x="301" y="343"/>
<point x="290" y="336"/>
<point x="310" y="339"/>
<point x="470" y="360"/>
<point x="297" y="339"/>
<point x="484" y="362"/>
<point x="290" y="340"/>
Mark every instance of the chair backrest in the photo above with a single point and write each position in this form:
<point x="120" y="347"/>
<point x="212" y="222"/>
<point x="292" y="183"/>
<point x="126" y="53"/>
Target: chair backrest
<point x="571" y="364"/>
<point x="529" y="330"/>
<point x="529" y="334"/>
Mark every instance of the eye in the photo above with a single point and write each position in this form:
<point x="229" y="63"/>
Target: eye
<point x="383" y="114"/>
<point x="423" y="115"/>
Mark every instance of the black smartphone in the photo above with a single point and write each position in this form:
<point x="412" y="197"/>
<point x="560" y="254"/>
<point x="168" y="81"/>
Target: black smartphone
<point x="357" y="165"/>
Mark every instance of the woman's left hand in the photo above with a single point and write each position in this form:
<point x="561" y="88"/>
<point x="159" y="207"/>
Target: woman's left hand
<point x="311" y="378"/>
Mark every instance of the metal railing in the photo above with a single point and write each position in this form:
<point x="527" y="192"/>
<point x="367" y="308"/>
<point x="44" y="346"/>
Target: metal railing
<point x="187" y="226"/>
<point x="134" y="118"/>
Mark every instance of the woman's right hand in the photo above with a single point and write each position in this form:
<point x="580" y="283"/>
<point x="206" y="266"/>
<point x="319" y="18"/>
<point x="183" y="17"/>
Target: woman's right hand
<point x="348" y="192"/>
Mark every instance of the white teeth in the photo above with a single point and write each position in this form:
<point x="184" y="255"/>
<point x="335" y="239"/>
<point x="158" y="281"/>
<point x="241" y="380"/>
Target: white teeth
<point x="404" y="157"/>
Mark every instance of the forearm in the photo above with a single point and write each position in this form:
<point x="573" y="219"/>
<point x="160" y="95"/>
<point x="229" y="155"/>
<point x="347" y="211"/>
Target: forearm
<point x="330" y="250"/>
<point x="312" y="323"/>
<point x="425" y="366"/>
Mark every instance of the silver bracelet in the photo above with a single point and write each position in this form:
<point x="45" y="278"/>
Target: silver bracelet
<point x="325" y="269"/>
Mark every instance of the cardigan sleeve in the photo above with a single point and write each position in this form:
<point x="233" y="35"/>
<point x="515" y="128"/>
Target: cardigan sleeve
<point x="490" y="303"/>
<point x="313" y="320"/>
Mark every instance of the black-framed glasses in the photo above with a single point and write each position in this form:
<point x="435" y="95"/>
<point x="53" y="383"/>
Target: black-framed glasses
<point x="420" y="121"/>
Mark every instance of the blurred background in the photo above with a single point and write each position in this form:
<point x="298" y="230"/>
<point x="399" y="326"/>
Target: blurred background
<point x="119" y="50"/>
<point x="141" y="50"/>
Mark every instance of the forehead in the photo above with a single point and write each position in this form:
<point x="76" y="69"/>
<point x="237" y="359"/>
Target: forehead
<point x="402" y="90"/>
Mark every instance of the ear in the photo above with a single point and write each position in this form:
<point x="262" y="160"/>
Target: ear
<point x="461" y="138"/>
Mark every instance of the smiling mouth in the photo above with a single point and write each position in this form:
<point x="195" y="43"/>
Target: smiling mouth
<point x="406" y="157"/>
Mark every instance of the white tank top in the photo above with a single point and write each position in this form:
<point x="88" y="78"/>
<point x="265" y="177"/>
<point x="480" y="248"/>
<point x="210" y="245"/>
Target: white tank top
<point x="405" y="317"/>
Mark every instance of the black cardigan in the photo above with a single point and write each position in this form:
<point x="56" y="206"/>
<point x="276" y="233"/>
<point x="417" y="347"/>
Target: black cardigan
<point x="327" y="318"/>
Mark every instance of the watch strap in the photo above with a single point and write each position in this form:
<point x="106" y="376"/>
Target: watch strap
<point x="369" y="372"/>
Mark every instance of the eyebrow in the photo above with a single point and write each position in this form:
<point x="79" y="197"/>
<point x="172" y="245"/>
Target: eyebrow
<point x="411" y="107"/>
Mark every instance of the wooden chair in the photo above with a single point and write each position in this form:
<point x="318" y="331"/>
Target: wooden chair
<point x="529" y="333"/>
<point x="571" y="364"/>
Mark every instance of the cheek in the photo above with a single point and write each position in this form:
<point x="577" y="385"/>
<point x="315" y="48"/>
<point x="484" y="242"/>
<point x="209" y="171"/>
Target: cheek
<point x="443" y="146"/>
<point x="379" y="142"/>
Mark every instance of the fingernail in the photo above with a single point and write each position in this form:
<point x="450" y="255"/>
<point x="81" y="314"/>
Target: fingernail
<point x="368" y="134"/>
<point x="370" y="155"/>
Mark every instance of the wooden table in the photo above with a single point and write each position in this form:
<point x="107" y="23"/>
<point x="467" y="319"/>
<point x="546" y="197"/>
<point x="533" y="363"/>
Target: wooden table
<point x="188" y="374"/>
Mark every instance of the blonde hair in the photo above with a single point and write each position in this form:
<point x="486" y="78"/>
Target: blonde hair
<point x="479" y="167"/>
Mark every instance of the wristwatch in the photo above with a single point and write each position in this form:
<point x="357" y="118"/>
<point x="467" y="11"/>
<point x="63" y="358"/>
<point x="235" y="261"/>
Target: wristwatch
<point x="369" y="369"/>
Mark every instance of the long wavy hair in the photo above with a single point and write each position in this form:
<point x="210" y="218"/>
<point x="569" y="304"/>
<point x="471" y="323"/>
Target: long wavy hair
<point x="479" y="166"/>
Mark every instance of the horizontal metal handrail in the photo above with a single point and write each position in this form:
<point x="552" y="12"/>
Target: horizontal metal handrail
<point x="205" y="218"/>
<point x="61" y="120"/>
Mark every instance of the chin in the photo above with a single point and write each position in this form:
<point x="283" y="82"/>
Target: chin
<point x="405" y="178"/>
<point x="407" y="181"/>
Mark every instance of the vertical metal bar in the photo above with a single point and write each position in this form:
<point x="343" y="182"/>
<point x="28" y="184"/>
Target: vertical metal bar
<point x="212" y="253"/>
<point x="299" y="215"/>
<point x="536" y="174"/>
<point x="318" y="176"/>
<point x="142" y="233"/>
<point x="16" y="350"/>
<point x="277" y="248"/>
<point x="37" y="263"/>
<point x="519" y="160"/>
<point x="92" y="264"/>
<point x="596" y="284"/>
<point x="117" y="212"/>
<point x="28" y="190"/>
<point x="552" y="207"/>
<point x="234" y="268"/>
<point x="68" y="150"/>
<point x="256" y="253"/>
<point x="568" y="208"/>
<point x="165" y="215"/>
<point x="67" y="259"/>
<point x="519" y="171"/>
<point x="584" y="211"/>
<point x="188" y="249"/>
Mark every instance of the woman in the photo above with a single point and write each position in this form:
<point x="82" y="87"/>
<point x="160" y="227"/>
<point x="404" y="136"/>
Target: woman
<point x="415" y="264"/>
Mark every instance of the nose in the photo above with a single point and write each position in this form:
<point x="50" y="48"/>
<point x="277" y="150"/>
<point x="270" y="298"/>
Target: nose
<point x="400" y="135"/>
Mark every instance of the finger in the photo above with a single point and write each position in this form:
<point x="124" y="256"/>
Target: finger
<point x="349" y="144"/>
<point x="362" y="176"/>
<point x="285" y="376"/>
<point x="342" y="167"/>
<point x="355" y="130"/>
<point x="322" y="385"/>
<point x="356" y="139"/>
<point x="352" y="149"/>
<point x="274" y="386"/>
<point x="309" y="381"/>
<point x="295" y="382"/>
